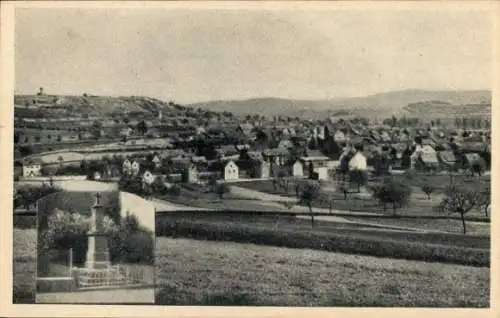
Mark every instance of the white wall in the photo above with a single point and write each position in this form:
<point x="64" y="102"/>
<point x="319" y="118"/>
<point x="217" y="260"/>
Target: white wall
<point x="143" y="209"/>
<point x="322" y="173"/>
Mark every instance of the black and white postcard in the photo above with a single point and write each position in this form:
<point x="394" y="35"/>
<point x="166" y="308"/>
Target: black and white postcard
<point x="307" y="155"/>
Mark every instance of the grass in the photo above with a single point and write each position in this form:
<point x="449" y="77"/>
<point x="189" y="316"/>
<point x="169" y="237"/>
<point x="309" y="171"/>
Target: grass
<point x="24" y="266"/>
<point x="334" y="237"/>
<point x="231" y="274"/>
<point x="449" y="225"/>
<point x="417" y="206"/>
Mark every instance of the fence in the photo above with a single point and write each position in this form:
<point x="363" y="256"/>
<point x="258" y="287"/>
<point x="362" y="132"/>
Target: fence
<point x="114" y="276"/>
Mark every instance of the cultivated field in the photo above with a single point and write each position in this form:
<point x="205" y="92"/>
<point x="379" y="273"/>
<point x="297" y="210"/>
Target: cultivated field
<point x="222" y="273"/>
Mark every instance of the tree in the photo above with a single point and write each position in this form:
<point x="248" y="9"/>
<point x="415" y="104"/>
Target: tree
<point x="281" y="181"/>
<point x="459" y="199"/>
<point x="221" y="189"/>
<point x="142" y="128"/>
<point x="310" y="193"/>
<point x="392" y="192"/>
<point x="484" y="200"/>
<point x="96" y="129"/>
<point x="358" y="178"/>
<point x="25" y="151"/>
<point x="427" y="189"/>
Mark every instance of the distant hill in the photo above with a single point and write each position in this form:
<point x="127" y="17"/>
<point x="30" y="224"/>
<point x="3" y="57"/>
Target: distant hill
<point x="58" y="105"/>
<point x="419" y="103"/>
<point x="406" y="102"/>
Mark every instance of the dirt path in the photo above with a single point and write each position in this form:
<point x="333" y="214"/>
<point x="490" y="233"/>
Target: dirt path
<point x="278" y="200"/>
<point x="162" y="205"/>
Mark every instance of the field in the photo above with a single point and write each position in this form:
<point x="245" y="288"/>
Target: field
<point x="418" y="205"/>
<point x="24" y="265"/>
<point x="221" y="273"/>
<point x="452" y="226"/>
<point x="290" y="231"/>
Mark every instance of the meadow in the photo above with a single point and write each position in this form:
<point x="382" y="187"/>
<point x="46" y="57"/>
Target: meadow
<point x="24" y="265"/>
<point x="232" y="274"/>
<point x="290" y="231"/>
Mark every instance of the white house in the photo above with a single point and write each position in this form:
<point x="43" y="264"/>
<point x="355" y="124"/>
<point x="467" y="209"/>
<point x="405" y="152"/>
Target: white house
<point x="426" y="154"/>
<point x="358" y="162"/>
<point x="298" y="169"/>
<point x="339" y="136"/>
<point x="148" y="177"/>
<point x="127" y="166"/>
<point x="135" y="167"/>
<point x="157" y="162"/>
<point x="191" y="174"/>
<point x="32" y="168"/>
<point x="264" y="170"/>
<point x="97" y="175"/>
<point x="231" y="171"/>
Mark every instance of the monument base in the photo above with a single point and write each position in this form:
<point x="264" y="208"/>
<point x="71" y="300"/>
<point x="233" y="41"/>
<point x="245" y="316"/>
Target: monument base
<point x="97" y="252"/>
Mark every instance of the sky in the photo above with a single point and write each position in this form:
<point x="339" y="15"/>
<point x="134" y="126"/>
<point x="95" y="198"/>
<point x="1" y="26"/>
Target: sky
<point x="200" y="55"/>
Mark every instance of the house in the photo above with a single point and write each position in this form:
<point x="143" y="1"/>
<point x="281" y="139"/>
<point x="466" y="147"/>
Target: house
<point x="156" y="161"/>
<point x="147" y="177"/>
<point x="425" y="155"/>
<point x="447" y="157"/>
<point x="385" y="137"/>
<point x="97" y="175"/>
<point x="276" y="155"/>
<point x="339" y="136"/>
<point x="474" y="158"/>
<point x="32" y="167"/>
<point x="285" y="144"/>
<point x="135" y="167"/>
<point x="127" y="166"/>
<point x="227" y="150"/>
<point x="230" y="171"/>
<point x="358" y="162"/>
<point x="298" y="169"/>
<point x="264" y="170"/>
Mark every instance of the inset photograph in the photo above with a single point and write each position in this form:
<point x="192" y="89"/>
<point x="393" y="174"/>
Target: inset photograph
<point x="95" y="248"/>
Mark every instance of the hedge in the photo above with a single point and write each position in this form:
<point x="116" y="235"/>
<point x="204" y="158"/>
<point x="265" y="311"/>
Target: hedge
<point x="332" y="242"/>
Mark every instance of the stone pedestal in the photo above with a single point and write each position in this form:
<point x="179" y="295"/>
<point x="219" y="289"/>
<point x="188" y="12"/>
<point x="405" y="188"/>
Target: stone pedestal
<point x="97" y="252"/>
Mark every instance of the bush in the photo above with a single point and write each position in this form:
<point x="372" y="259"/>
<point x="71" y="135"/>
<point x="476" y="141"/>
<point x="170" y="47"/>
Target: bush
<point x="221" y="189"/>
<point x="392" y="192"/>
<point x="138" y="248"/>
<point x="427" y="189"/>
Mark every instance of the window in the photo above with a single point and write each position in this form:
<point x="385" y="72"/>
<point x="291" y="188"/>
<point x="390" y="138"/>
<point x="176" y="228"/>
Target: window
<point x="49" y="137"/>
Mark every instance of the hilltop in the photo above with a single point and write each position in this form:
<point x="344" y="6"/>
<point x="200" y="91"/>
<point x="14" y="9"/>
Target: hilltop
<point x="406" y="102"/>
<point x="101" y="106"/>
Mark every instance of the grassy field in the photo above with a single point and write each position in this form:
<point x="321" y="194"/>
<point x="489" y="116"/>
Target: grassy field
<point x="24" y="266"/>
<point x="452" y="226"/>
<point x="221" y="273"/>
<point x="201" y="197"/>
<point x="288" y="231"/>
<point x="418" y="205"/>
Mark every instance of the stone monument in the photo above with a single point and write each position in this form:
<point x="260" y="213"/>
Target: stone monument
<point x="97" y="251"/>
